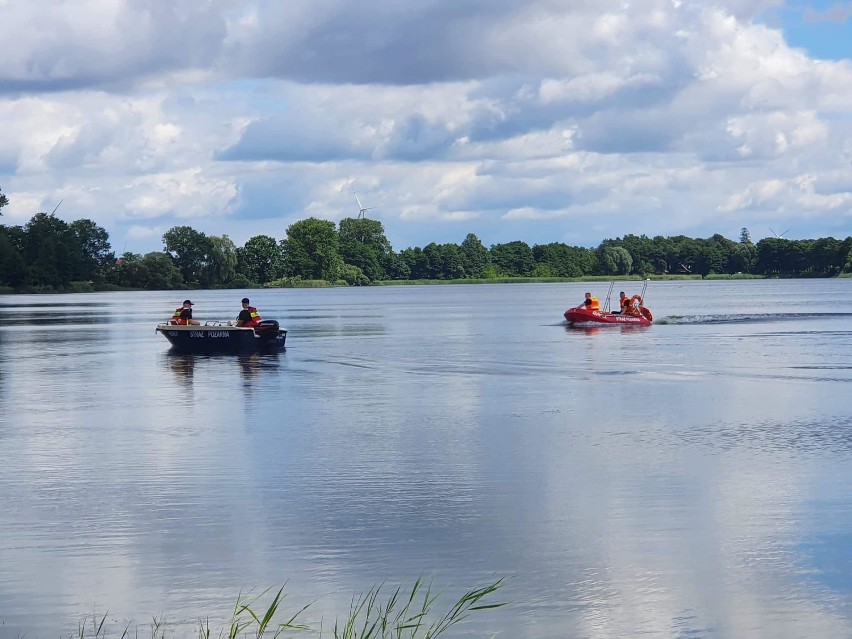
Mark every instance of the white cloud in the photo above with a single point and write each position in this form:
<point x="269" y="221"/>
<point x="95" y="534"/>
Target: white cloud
<point x="529" y="213"/>
<point x="796" y="196"/>
<point x="137" y="232"/>
<point x="655" y="116"/>
<point x="184" y="194"/>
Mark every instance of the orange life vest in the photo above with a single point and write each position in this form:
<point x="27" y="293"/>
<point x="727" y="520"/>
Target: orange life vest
<point x="595" y="305"/>
<point x="176" y="318"/>
<point x="634" y="306"/>
<point x="626" y="305"/>
<point x="255" y="316"/>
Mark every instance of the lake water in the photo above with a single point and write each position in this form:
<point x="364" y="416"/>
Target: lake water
<point x="689" y="479"/>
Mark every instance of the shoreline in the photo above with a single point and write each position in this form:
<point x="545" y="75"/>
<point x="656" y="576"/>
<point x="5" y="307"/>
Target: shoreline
<point x="455" y="282"/>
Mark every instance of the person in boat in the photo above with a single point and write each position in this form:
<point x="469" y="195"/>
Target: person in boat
<point x="624" y="304"/>
<point x="591" y="303"/>
<point x="249" y="315"/>
<point x="632" y="306"/>
<point x="183" y="315"/>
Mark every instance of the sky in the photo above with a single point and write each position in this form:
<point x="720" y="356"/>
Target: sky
<point x="542" y="121"/>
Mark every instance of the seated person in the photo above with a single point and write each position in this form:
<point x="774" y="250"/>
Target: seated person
<point x="631" y="307"/>
<point x="624" y="304"/>
<point x="183" y="315"/>
<point x="249" y="315"/>
<point x="591" y="303"/>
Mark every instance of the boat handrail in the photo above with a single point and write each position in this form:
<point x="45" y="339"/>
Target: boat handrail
<point x="208" y="323"/>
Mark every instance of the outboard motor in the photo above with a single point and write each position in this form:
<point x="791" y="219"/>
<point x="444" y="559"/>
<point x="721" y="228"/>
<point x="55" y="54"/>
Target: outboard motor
<point x="267" y="326"/>
<point x="266" y="331"/>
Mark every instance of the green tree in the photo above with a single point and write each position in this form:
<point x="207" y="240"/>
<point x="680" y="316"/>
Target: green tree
<point x="514" y="259"/>
<point x="13" y="268"/>
<point x="222" y="261"/>
<point x="681" y="253"/>
<point x="95" y="256"/>
<point x="745" y="236"/>
<point x="3" y="202"/>
<point x="50" y="251"/>
<point x="443" y="261"/>
<point x="190" y="250"/>
<point x="353" y="276"/>
<point x="770" y="255"/>
<point x="416" y="262"/>
<point x="396" y="267"/>
<point x="363" y="244"/>
<point x="364" y="259"/>
<point x="161" y="272"/>
<point x="713" y="255"/>
<point x="742" y="258"/>
<point x="559" y="260"/>
<point x="153" y="271"/>
<point x="641" y="249"/>
<point x="846" y="253"/>
<point x="794" y="257"/>
<point x="710" y="258"/>
<point x="615" y="260"/>
<point x="475" y="257"/>
<point x="826" y="256"/>
<point x="129" y="271"/>
<point x="260" y="259"/>
<point x="311" y="250"/>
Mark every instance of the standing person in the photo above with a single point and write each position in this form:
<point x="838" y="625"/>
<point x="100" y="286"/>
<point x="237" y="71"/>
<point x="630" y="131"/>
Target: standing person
<point x="249" y="315"/>
<point x="183" y="315"/>
<point x="591" y="303"/>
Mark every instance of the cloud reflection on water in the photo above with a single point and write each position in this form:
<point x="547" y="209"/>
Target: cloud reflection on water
<point x="669" y="481"/>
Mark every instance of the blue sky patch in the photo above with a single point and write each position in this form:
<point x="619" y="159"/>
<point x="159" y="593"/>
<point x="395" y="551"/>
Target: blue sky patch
<point x="822" y="27"/>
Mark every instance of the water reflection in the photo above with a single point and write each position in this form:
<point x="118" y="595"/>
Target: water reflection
<point x="184" y="366"/>
<point x="594" y="330"/>
<point x="49" y="313"/>
<point x="60" y="319"/>
<point x="587" y="330"/>
<point x="259" y="366"/>
<point x="685" y="479"/>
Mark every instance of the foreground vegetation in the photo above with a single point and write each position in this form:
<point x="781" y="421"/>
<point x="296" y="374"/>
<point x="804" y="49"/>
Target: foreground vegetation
<point x="48" y="254"/>
<point x="400" y="615"/>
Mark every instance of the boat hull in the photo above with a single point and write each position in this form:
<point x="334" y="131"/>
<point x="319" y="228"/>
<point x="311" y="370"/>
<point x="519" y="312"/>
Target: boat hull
<point x="222" y="338"/>
<point x="576" y="316"/>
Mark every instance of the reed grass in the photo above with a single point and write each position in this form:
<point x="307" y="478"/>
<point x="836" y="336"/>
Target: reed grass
<point x="535" y="280"/>
<point x="297" y="282"/>
<point x="402" y="614"/>
<point x="735" y="276"/>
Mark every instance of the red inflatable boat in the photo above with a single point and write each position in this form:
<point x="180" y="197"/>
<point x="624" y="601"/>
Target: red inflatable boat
<point x="582" y="316"/>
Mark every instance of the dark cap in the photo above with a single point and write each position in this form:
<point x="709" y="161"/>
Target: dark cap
<point x="188" y="302"/>
<point x="244" y="301"/>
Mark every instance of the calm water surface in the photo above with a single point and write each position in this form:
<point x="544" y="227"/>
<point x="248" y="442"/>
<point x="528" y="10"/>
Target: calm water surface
<point x="690" y="479"/>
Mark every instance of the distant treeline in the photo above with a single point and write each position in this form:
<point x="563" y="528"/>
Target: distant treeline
<point x="48" y="254"/>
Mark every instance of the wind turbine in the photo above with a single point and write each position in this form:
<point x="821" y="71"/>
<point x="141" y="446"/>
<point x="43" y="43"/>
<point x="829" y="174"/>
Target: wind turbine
<point x="780" y="237"/>
<point x="362" y="210"/>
